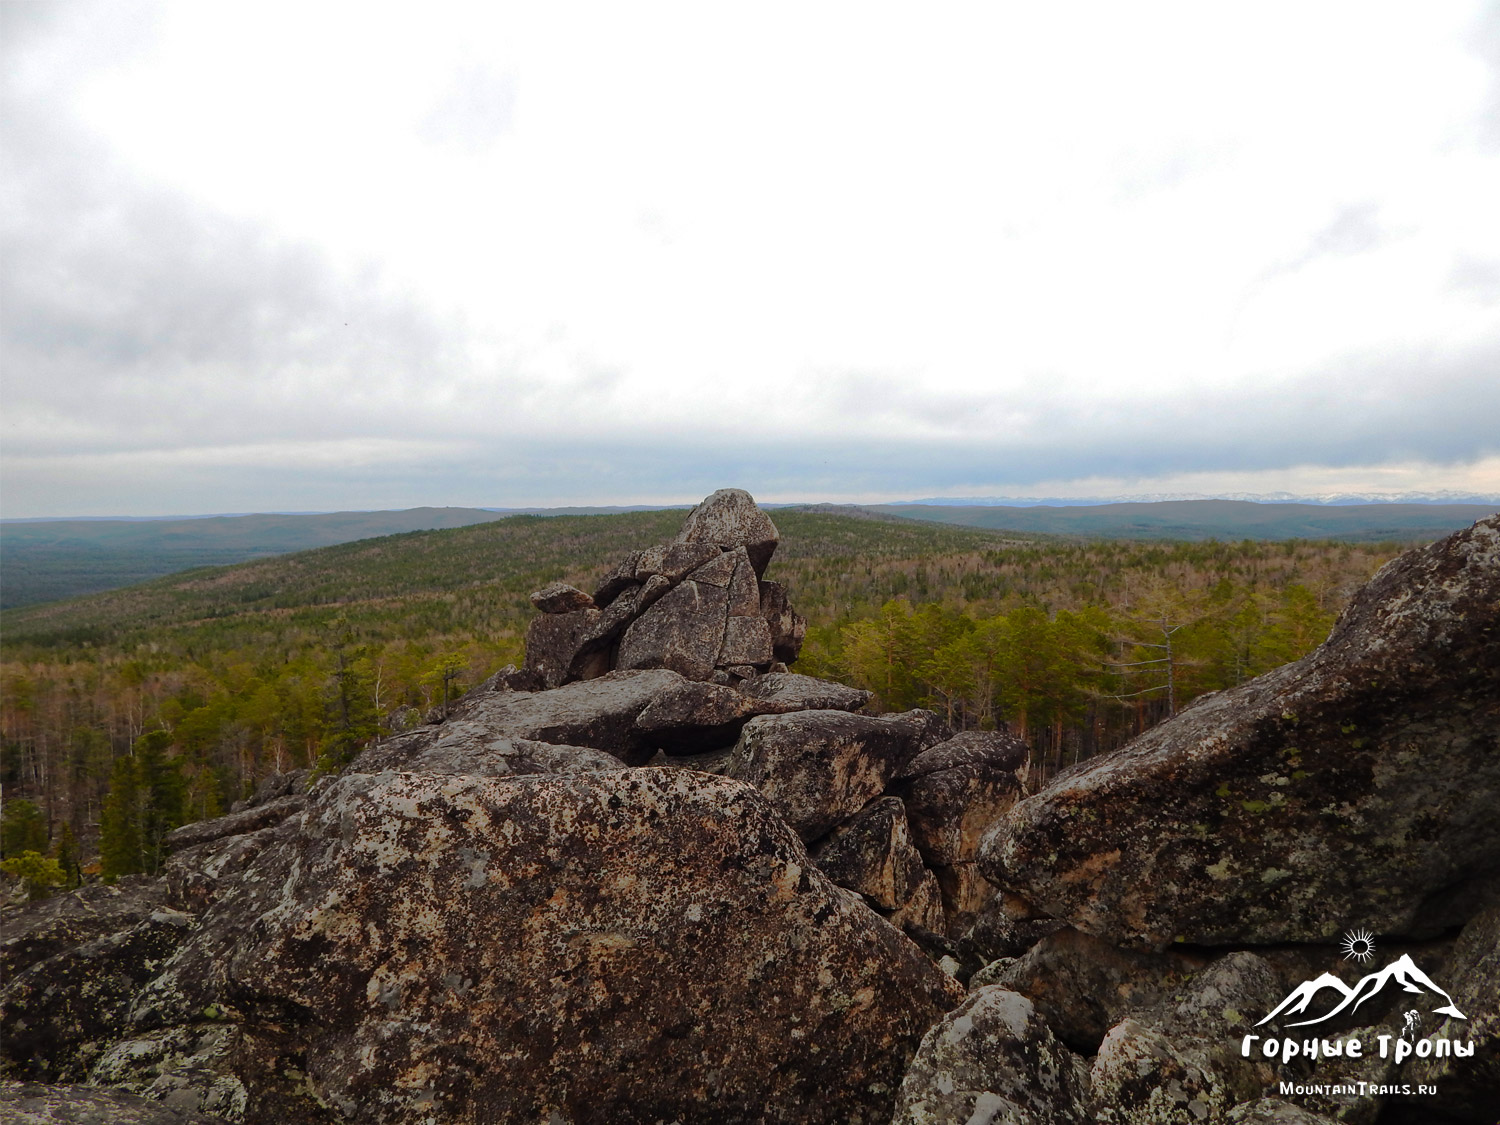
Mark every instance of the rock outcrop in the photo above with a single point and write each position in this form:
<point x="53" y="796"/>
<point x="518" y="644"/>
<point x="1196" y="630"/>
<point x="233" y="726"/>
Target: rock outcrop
<point x="697" y="606"/>
<point x="1355" y="788"/>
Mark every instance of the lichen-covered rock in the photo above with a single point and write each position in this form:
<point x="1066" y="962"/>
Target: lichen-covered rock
<point x="821" y="767"/>
<point x="1354" y="788"/>
<point x="683" y="631"/>
<point x="559" y="597"/>
<point x="553" y="641"/>
<point x="729" y="519"/>
<point x="1274" y="1111"/>
<point x="29" y="1103"/>
<point x="696" y="717"/>
<point x="629" y="946"/>
<point x="922" y="912"/>
<point x="994" y="749"/>
<point x="491" y="736"/>
<point x="1468" y="1088"/>
<point x="873" y="854"/>
<point x="1179" y="1061"/>
<point x="993" y="1059"/>
<point x="965" y="893"/>
<point x="58" y="1012"/>
<point x="747" y="641"/>
<point x="38" y="930"/>
<point x="1084" y="986"/>
<point x="805" y="693"/>
<point x="194" y="875"/>
<point x="243" y="1072"/>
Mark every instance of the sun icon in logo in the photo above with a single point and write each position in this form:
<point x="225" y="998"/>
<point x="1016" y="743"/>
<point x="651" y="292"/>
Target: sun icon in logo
<point x="1358" y="945"/>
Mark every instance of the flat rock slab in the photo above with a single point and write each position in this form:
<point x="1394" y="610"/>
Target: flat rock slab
<point x="1355" y="788"/>
<point x="559" y="597"/>
<point x="640" y="945"/>
<point x="34" y="1104"/>
<point x="805" y="693"/>
<point x="36" y="931"/>
<point x="599" y="714"/>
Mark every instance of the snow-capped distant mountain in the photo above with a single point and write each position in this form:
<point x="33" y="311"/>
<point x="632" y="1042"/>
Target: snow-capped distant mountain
<point x="1403" y="971"/>
<point x="1447" y="496"/>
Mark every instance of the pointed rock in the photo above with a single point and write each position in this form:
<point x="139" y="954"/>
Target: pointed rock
<point x="729" y="519"/>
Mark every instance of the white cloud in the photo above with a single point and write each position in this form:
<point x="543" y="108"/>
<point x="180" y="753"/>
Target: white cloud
<point x="1068" y="241"/>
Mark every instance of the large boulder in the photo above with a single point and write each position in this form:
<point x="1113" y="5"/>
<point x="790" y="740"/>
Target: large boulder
<point x="696" y="717"/>
<point x="1354" y="788"/>
<point x="994" y="1060"/>
<point x="729" y="519"/>
<point x="638" y="945"/>
<point x="684" y="631"/>
<point x="819" y="768"/>
<point x="553" y="644"/>
<point x="958" y="790"/>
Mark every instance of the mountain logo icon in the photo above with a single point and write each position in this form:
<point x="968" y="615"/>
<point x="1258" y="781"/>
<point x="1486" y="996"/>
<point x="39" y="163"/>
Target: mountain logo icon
<point x="1402" y="971"/>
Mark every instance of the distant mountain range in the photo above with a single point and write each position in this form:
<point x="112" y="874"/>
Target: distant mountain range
<point x="1403" y="971"/>
<point x="1337" y="499"/>
<point x="1210" y="519"/>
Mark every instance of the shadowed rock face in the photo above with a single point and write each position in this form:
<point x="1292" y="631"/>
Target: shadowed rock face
<point x="1354" y="788"/>
<point x="626" y="946"/>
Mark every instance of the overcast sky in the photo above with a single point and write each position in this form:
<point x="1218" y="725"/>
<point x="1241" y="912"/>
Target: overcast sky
<point x="319" y="256"/>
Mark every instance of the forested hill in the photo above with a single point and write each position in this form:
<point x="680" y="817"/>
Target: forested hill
<point x="1213" y="519"/>
<point x="471" y="580"/>
<point x="44" y="560"/>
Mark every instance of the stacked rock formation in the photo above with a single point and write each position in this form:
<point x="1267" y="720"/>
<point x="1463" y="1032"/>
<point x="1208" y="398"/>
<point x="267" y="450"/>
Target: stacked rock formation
<point x="687" y="891"/>
<point x="698" y="606"/>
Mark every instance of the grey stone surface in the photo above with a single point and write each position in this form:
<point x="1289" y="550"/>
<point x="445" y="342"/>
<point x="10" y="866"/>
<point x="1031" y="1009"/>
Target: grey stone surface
<point x="559" y="597"/>
<point x="819" y="768"/>
<point x="729" y="519"/>
<point x="32" y="1103"/>
<point x="683" y="632"/>
<point x="625" y="946"/>
<point x="993" y="1059"/>
<point x="805" y="692"/>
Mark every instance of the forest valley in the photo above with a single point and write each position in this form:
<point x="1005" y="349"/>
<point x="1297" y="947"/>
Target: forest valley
<point x="125" y="715"/>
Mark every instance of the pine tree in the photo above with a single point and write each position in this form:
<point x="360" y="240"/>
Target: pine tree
<point x="119" y="823"/>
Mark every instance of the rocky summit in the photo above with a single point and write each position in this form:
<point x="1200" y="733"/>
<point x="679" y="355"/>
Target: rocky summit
<point x="654" y="875"/>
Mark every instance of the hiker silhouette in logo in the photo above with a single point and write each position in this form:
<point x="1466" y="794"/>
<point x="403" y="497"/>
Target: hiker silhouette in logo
<point x="1413" y="1026"/>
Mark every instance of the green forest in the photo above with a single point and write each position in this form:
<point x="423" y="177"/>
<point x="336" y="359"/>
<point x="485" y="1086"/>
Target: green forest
<point x="128" y="713"/>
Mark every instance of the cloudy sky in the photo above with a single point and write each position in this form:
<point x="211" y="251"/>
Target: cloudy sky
<point x="320" y="255"/>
